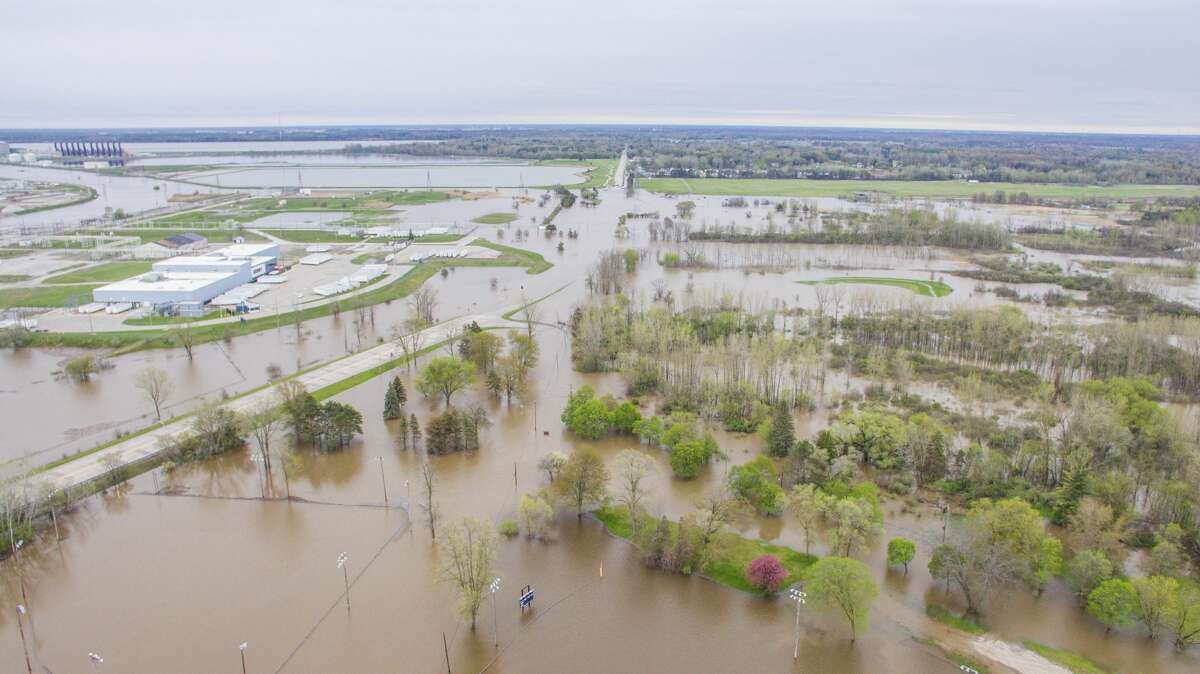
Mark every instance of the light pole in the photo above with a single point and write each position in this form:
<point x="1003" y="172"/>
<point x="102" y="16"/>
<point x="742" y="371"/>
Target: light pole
<point x="343" y="559"/>
<point x="495" y="587"/>
<point x="798" y="597"/>
<point x="24" y="646"/>
<point x="96" y="660"/>
<point x="242" y="650"/>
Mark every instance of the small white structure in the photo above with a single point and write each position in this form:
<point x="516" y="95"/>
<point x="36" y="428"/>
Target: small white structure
<point x="118" y="308"/>
<point x="272" y="280"/>
<point x="316" y="259"/>
<point x="90" y="308"/>
<point x="152" y="251"/>
<point x="318" y="248"/>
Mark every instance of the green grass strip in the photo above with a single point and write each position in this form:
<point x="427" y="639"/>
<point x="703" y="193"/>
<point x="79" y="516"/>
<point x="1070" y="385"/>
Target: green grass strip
<point x="926" y="288"/>
<point x="1072" y="661"/>
<point x="945" y="617"/>
<point x="496" y="218"/>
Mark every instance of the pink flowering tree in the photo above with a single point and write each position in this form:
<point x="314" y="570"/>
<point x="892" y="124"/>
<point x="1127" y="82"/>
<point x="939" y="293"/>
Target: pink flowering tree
<point x="766" y="573"/>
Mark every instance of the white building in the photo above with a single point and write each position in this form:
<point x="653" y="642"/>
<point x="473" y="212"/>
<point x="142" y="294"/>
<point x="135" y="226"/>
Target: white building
<point x="152" y="251"/>
<point x="193" y="278"/>
<point x="156" y="288"/>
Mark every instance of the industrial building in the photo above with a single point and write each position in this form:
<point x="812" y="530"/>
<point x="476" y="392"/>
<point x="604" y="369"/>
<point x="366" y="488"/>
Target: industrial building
<point x="193" y="278"/>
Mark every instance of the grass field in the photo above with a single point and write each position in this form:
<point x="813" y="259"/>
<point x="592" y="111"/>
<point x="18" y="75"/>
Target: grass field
<point x="147" y="234"/>
<point x="103" y="273"/>
<point x="366" y="201"/>
<point x="926" y="288"/>
<point x="496" y="218"/>
<point x="904" y="188"/>
<point x="598" y="175"/>
<point x="46" y="296"/>
<point x="1072" y="661"/>
<point x="311" y="236"/>
<point x="13" y="278"/>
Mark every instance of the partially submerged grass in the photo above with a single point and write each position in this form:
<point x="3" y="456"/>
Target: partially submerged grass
<point x="945" y="617"/>
<point x="1072" y="661"/>
<point x="496" y="218"/>
<point x="957" y="657"/>
<point x="926" y="288"/>
<point x="731" y="553"/>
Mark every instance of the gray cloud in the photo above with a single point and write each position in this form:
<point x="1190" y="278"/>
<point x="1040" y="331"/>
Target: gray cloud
<point x="1057" y="64"/>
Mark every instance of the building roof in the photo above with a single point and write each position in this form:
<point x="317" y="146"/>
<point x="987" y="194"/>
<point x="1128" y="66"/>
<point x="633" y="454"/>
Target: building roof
<point x="184" y="239"/>
<point x="249" y="250"/>
<point x="166" y="282"/>
<point x="218" y="261"/>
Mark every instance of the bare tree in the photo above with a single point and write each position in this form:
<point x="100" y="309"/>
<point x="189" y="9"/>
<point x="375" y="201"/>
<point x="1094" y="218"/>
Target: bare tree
<point x="468" y="557"/>
<point x="185" y="337"/>
<point x="633" y="467"/>
<point x="530" y="313"/>
<point x="429" y="481"/>
<point x="264" y="422"/>
<point x="156" y="384"/>
<point x="410" y="336"/>
<point x="423" y="303"/>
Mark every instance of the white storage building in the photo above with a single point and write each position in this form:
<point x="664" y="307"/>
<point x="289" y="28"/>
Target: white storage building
<point x="157" y="288"/>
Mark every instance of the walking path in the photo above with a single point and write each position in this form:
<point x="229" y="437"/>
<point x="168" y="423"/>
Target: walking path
<point x="93" y="466"/>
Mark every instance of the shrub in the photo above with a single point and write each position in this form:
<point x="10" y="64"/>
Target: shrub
<point x="901" y="551"/>
<point x="765" y="573"/>
<point x="509" y="528"/>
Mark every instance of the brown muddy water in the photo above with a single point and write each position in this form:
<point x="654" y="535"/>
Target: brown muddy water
<point x="173" y="583"/>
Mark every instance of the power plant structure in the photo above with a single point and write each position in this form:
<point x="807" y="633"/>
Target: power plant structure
<point x="79" y="152"/>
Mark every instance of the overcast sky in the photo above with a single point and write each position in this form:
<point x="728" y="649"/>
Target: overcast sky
<point x="1121" y="65"/>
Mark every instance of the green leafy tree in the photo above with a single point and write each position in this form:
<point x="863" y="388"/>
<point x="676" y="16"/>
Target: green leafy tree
<point x="806" y="503"/>
<point x="1114" y="603"/>
<point x="338" y="424"/>
<point x="444" y="376"/>
<point x="1183" y="619"/>
<point x="852" y="522"/>
<point x="756" y="483"/>
<point x="687" y="459"/>
<point x="843" y="585"/>
<point x="901" y="551"/>
<point x="536" y="517"/>
<point x="625" y="417"/>
<point x="583" y="481"/>
<point x="1086" y="571"/>
<point x="1155" y="598"/>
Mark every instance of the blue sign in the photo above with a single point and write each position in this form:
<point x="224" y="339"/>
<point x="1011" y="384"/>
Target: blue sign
<point x="526" y="597"/>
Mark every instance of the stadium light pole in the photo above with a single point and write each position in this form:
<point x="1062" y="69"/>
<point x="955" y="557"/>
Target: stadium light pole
<point x="798" y="597"/>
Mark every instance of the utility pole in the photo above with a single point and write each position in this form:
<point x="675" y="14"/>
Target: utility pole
<point x="24" y="647"/>
<point x="798" y="597"/>
<point x="446" y="648"/>
<point x="383" y="478"/>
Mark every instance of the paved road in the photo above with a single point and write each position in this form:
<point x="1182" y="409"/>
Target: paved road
<point x="93" y="466"/>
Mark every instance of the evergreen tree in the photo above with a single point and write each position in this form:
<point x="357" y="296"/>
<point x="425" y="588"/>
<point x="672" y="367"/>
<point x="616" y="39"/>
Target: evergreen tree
<point x="414" y="427"/>
<point x="393" y="400"/>
<point x="1076" y="485"/>
<point x="783" y="434"/>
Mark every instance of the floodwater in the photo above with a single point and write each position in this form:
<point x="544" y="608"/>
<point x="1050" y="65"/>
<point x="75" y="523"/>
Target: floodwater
<point x="131" y="194"/>
<point x="435" y="175"/>
<point x="194" y="574"/>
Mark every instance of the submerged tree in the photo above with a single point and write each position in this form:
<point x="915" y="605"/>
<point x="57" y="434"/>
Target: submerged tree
<point x="845" y="586"/>
<point x="468" y="555"/>
<point x="582" y="481"/>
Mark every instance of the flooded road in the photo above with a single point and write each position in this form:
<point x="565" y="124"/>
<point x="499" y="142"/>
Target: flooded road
<point x="173" y="583"/>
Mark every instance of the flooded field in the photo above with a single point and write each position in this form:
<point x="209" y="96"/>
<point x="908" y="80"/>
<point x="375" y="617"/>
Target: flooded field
<point x="195" y="562"/>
